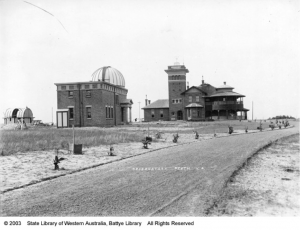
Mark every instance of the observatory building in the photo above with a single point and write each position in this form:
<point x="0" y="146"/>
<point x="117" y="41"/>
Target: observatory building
<point x="196" y="103"/>
<point x="99" y="102"/>
<point x="17" y="115"/>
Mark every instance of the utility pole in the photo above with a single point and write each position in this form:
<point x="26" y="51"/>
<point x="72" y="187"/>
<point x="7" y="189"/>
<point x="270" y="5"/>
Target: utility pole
<point x="139" y="111"/>
<point x="252" y="110"/>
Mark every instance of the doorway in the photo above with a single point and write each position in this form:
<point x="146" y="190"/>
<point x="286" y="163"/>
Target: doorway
<point x="179" y="115"/>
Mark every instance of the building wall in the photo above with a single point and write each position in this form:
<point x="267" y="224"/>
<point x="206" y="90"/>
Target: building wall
<point x="64" y="102"/>
<point x="98" y="100"/>
<point x="157" y="117"/>
<point x="176" y="87"/>
<point x="193" y="93"/>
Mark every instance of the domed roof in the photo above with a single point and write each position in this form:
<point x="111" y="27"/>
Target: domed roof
<point x="18" y="113"/>
<point x="109" y="74"/>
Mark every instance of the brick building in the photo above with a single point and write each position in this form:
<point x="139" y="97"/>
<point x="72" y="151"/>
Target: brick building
<point x="196" y="103"/>
<point x="100" y="102"/>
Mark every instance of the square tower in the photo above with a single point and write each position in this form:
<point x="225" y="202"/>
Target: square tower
<point x="177" y="85"/>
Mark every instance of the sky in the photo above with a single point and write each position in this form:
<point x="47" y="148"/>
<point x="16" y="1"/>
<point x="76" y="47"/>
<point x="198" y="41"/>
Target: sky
<point x="252" y="45"/>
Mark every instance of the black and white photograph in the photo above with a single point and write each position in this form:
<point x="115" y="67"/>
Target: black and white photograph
<point x="137" y="114"/>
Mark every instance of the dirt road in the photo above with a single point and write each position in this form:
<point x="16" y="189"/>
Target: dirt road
<point x="179" y="181"/>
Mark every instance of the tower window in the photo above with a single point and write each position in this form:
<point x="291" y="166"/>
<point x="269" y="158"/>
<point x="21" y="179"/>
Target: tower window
<point x="70" y="94"/>
<point x="176" y="101"/>
<point x="197" y="98"/>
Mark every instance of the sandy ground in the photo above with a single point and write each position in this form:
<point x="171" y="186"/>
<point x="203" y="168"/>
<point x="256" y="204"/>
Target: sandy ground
<point x="22" y="169"/>
<point x="31" y="167"/>
<point x="269" y="184"/>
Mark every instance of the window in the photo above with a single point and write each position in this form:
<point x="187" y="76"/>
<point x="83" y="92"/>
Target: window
<point x="70" y="94"/>
<point x="152" y="112"/>
<point x="86" y="86"/>
<point x="71" y="86"/>
<point x="173" y="113"/>
<point x="89" y="112"/>
<point x="94" y="86"/>
<point x="63" y="87"/>
<point x="117" y="100"/>
<point x="190" y="99"/>
<point x="161" y="113"/>
<point x="109" y="111"/>
<point x="197" y="98"/>
<point x="224" y="99"/>
<point x="88" y="93"/>
<point x="199" y="113"/>
<point x="176" y="101"/>
<point x="71" y="113"/>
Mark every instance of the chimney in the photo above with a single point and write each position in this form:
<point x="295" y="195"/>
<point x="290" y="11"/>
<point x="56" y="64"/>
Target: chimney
<point x="146" y="101"/>
<point x="224" y="82"/>
<point x="202" y="80"/>
<point x="187" y="87"/>
<point x="149" y="102"/>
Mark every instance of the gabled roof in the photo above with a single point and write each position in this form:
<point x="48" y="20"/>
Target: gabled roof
<point x="159" y="104"/>
<point x="204" y="86"/>
<point x="226" y="94"/>
<point x="193" y="87"/>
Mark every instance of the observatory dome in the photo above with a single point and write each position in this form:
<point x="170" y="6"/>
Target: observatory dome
<point x="110" y="75"/>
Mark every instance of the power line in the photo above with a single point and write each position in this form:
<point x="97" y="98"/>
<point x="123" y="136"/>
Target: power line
<point x="48" y="13"/>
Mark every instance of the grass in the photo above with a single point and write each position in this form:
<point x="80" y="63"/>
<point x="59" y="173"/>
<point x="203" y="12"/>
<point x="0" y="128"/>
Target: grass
<point x="43" y="138"/>
<point x="12" y="141"/>
<point x="201" y="127"/>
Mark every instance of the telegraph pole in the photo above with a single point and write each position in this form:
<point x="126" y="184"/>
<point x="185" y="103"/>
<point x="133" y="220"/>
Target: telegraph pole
<point x="139" y="111"/>
<point x="252" y="110"/>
